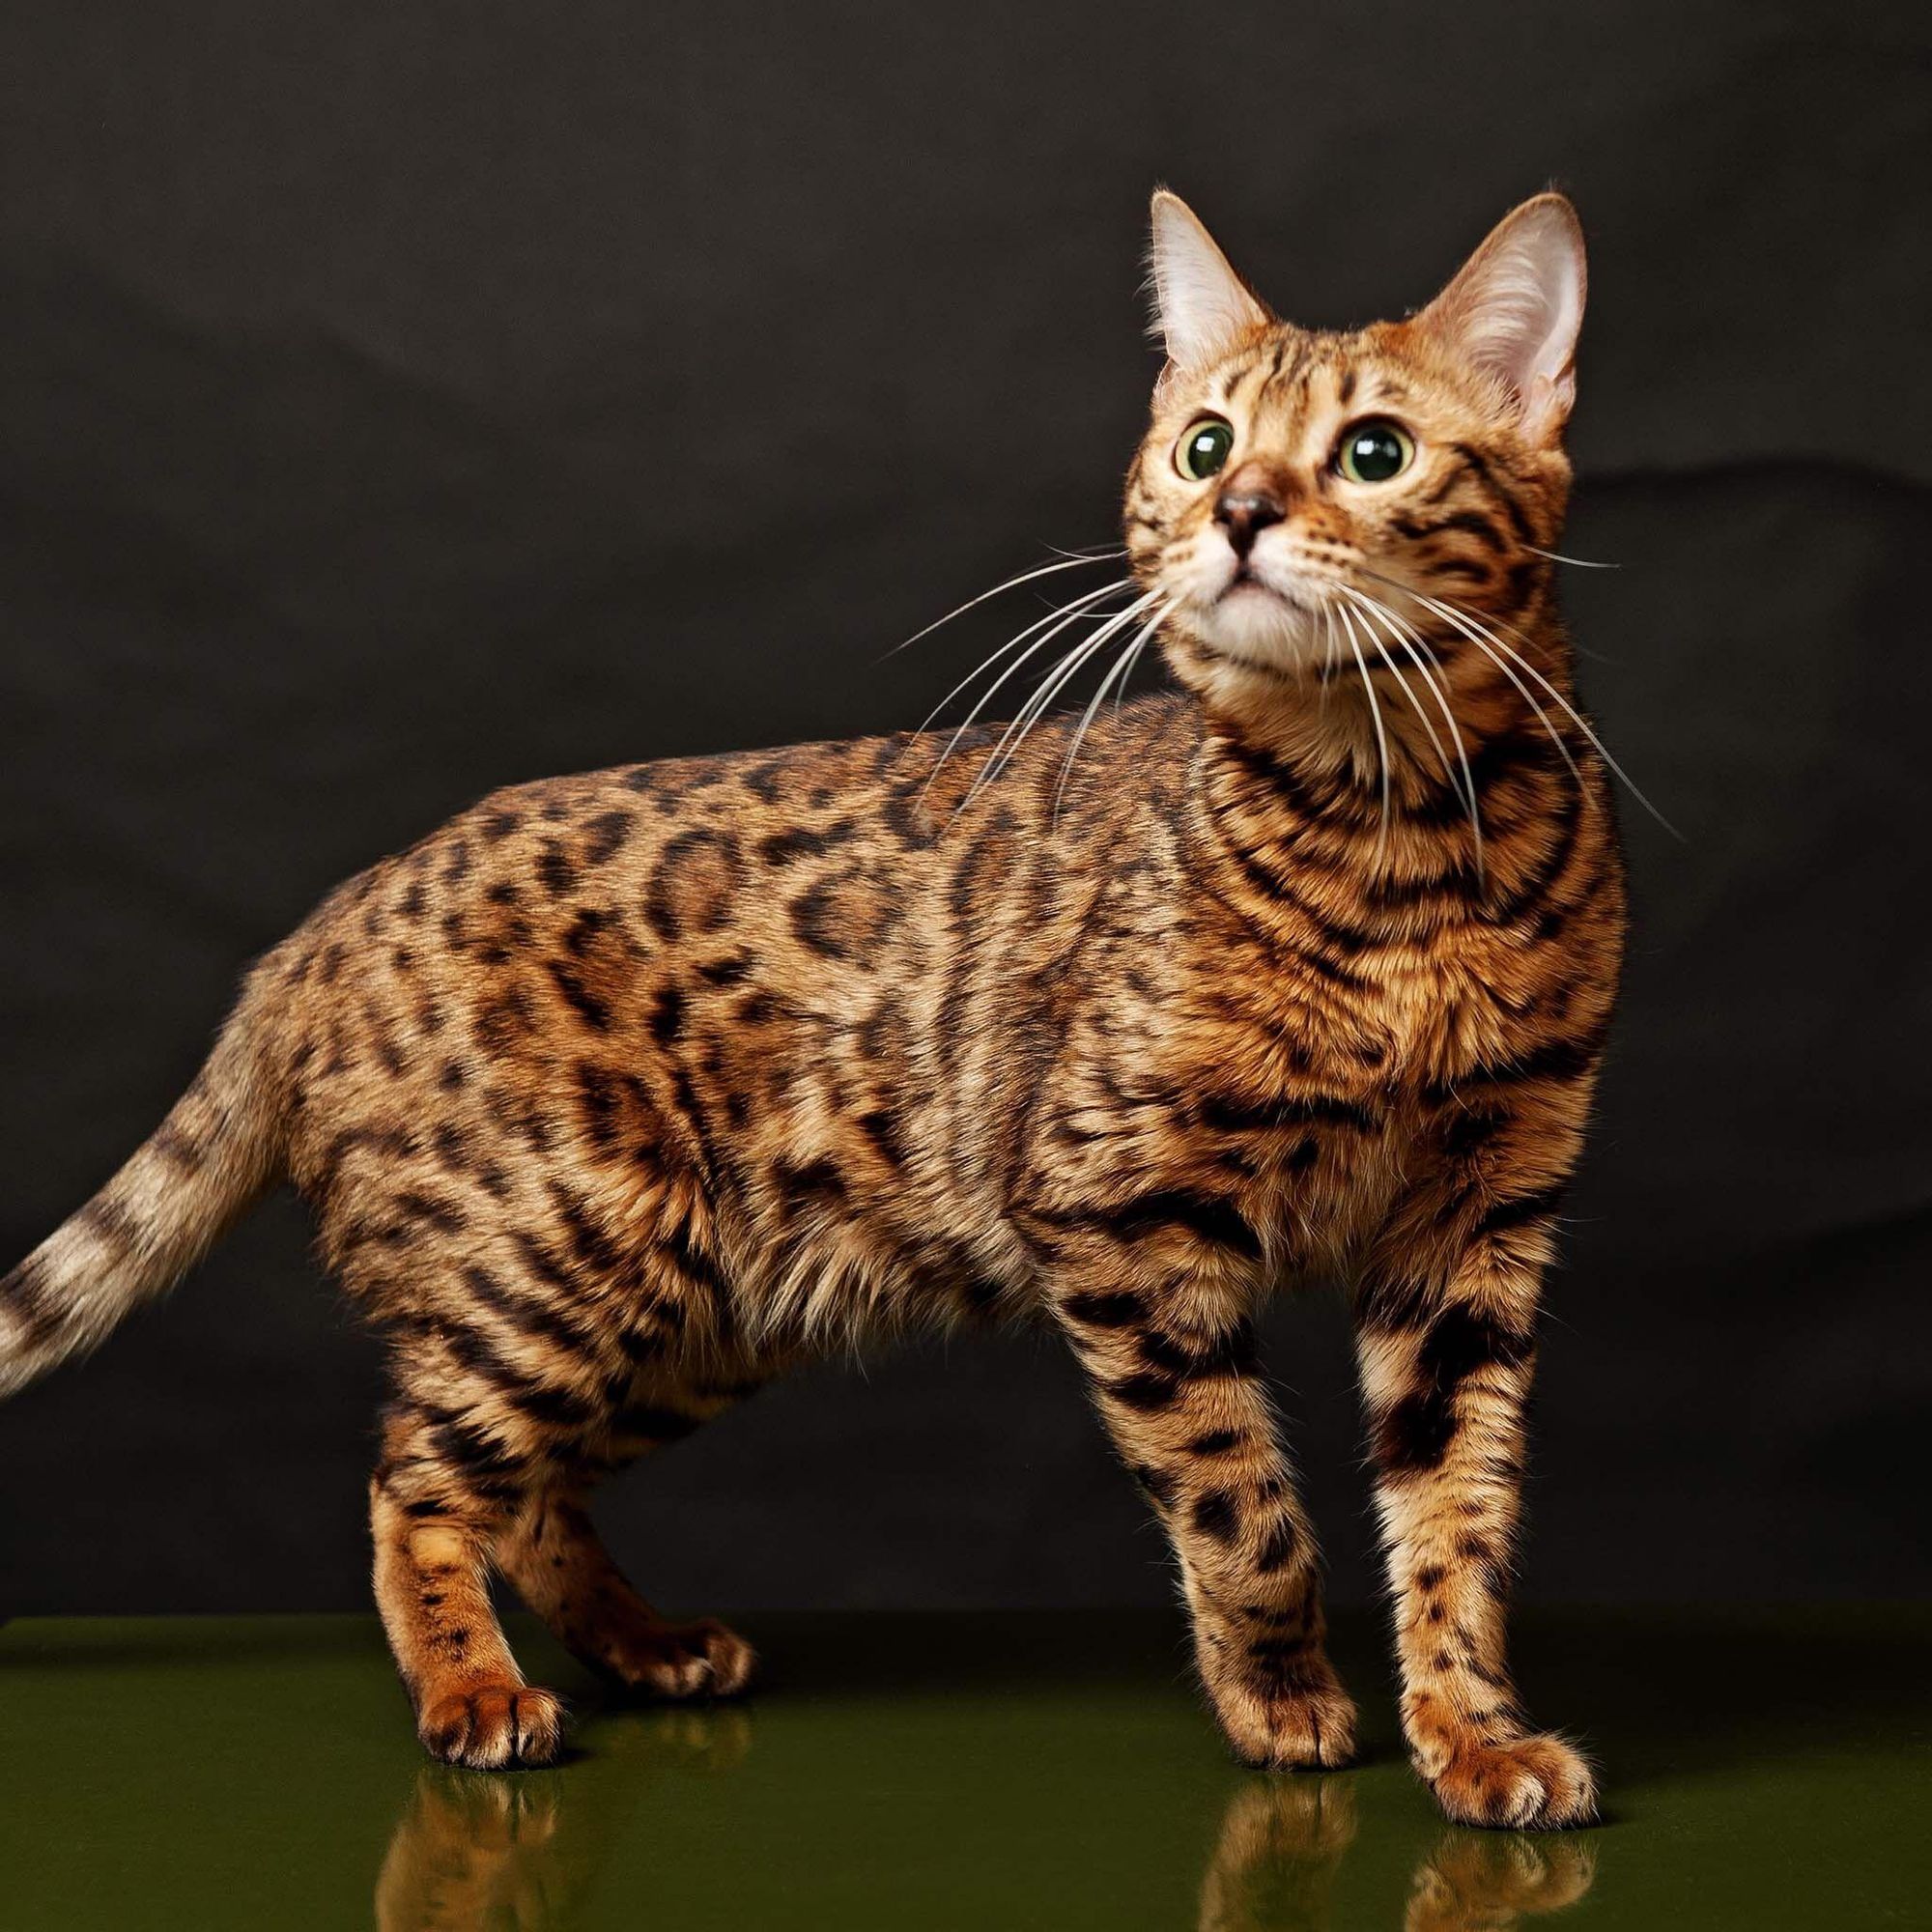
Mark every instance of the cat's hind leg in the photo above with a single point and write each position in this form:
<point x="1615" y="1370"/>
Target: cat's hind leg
<point x="561" y="1568"/>
<point x="553" y="1556"/>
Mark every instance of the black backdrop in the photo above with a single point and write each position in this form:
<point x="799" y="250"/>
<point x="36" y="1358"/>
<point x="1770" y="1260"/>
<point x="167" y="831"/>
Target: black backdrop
<point x="400" y="400"/>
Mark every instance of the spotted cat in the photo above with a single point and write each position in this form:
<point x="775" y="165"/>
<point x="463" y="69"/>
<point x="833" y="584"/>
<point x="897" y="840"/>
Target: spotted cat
<point x="622" y="1093"/>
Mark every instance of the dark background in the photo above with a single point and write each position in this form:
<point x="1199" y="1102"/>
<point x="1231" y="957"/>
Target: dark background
<point x="397" y="401"/>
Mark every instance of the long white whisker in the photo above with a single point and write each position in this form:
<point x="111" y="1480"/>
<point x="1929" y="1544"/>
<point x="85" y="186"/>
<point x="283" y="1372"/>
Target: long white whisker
<point x="1133" y="659"/>
<point x="1011" y="584"/>
<point x="1468" y="631"/>
<point x="1376" y="715"/>
<point x="1075" y="606"/>
<point x="1426" y="665"/>
<point x="1064" y="670"/>
<point x="1581" y="562"/>
<point x="1030" y="714"/>
<point x="1403" y="635"/>
<point x="1058" y="620"/>
<point x="1582" y="722"/>
<point x="1427" y="722"/>
<point x="1125" y="658"/>
<point x="1068" y="666"/>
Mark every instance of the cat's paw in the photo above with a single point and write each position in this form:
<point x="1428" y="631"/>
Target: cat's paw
<point x="678" y="1661"/>
<point x="1307" y="1728"/>
<point x="493" y="1726"/>
<point x="1525" y="1784"/>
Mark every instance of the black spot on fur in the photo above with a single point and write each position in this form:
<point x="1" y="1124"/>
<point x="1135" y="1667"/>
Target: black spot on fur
<point x="781" y="848"/>
<point x="607" y="835"/>
<point x="1096" y="1308"/>
<point x="667" y="1018"/>
<point x="555" y="871"/>
<point x="1215" y="1517"/>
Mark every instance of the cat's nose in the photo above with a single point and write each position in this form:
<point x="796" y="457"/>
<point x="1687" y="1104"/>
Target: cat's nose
<point x="1244" y="513"/>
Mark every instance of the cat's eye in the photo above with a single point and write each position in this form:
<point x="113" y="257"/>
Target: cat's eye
<point x="1203" y="451"/>
<point x="1373" y="452"/>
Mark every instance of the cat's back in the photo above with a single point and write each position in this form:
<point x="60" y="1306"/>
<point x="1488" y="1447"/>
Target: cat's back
<point x="707" y="939"/>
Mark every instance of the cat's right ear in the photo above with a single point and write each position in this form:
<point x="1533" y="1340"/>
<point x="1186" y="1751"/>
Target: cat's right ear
<point x="1201" y="307"/>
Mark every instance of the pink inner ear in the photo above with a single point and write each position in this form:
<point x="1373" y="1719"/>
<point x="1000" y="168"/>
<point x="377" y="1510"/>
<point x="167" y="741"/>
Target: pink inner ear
<point x="1203" y="306"/>
<point x="1515" y="309"/>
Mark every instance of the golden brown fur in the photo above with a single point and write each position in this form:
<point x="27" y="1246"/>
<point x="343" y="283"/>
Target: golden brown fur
<point x="620" y="1093"/>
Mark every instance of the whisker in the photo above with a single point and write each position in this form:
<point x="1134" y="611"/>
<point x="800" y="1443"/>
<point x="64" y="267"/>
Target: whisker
<point x="1059" y="619"/>
<point x="1376" y="715"/>
<point x="1120" y="664"/>
<point x="1467" y="630"/>
<point x="1582" y="722"/>
<point x="1382" y="618"/>
<point x="1409" y="639"/>
<point x="1138" y="651"/>
<point x="1394" y="670"/>
<point x="1011" y="584"/>
<point x="1056" y="679"/>
<point x="1004" y="752"/>
<point x="1581" y="562"/>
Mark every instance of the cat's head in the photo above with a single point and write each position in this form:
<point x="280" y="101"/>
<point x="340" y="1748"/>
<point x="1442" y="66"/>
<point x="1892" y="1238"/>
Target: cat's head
<point x="1291" y="481"/>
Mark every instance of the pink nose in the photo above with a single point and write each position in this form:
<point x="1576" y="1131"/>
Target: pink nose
<point x="1245" y="514"/>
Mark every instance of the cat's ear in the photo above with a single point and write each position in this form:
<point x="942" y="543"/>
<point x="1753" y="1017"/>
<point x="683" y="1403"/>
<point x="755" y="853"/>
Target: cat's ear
<point x="1515" y="308"/>
<point x="1202" y="308"/>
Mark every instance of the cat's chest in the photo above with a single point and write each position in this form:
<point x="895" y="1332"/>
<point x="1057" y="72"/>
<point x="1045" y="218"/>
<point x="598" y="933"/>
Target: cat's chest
<point x="1381" y="1023"/>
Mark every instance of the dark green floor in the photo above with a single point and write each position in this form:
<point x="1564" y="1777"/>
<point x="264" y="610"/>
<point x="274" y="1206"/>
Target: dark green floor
<point x="950" y="1773"/>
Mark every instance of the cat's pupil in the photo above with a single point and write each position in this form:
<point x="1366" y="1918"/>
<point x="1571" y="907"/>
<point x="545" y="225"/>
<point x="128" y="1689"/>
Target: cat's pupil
<point x="1374" y="454"/>
<point x="1207" y="448"/>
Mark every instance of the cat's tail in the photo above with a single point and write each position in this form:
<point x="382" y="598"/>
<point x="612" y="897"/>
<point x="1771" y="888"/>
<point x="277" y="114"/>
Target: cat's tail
<point x="217" y="1151"/>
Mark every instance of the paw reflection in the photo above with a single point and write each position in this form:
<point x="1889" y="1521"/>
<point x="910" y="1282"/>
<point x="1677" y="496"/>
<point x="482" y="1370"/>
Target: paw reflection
<point x="482" y="1852"/>
<point x="472" y="1850"/>
<point x="1490" y="1881"/>
<point x="1283" y="1841"/>
<point x="485" y="1852"/>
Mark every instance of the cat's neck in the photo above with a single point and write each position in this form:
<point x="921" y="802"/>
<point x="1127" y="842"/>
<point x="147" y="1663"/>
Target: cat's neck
<point x="1397" y="791"/>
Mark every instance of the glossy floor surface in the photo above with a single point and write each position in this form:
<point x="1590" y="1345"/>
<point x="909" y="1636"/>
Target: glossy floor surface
<point x="944" y="1772"/>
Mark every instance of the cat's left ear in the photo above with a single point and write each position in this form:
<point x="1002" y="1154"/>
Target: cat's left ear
<point x="1515" y="308"/>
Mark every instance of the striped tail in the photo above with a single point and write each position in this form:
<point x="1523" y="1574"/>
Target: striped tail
<point x="217" y="1152"/>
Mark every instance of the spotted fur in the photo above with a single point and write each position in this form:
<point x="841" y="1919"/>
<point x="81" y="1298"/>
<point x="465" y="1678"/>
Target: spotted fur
<point x="622" y="1093"/>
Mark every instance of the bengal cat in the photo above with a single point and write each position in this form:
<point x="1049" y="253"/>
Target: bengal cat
<point x="621" y="1093"/>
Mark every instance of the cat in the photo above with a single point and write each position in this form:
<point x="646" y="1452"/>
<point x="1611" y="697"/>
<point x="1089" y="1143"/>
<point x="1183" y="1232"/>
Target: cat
<point x="622" y="1093"/>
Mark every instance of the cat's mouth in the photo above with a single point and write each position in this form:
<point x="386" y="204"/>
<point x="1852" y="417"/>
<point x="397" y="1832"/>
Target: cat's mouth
<point x="1251" y="586"/>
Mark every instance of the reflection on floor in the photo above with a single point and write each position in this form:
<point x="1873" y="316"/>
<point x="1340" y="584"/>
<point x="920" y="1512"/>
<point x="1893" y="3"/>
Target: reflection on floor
<point x="472" y="1850"/>
<point x="946" y="1773"/>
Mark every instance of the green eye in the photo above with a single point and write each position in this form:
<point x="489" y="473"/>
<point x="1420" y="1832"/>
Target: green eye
<point x="1371" y="452"/>
<point x="1203" y="449"/>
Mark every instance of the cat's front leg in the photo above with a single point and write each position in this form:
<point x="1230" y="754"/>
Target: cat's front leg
<point x="1446" y="1331"/>
<point x="1177" y="1385"/>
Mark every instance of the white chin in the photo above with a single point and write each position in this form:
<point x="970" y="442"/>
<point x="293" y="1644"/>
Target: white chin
<point x="1255" y="625"/>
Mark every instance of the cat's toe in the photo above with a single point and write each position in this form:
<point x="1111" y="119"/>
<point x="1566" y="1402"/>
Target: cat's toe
<point x="1526" y="1784"/>
<point x="1304" y="1729"/>
<point x="493" y="1726"/>
<point x="706" y="1658"/>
